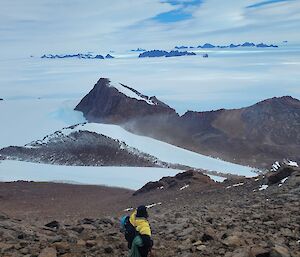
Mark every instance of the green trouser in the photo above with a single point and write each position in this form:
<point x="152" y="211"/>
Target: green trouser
<point x="136" y="243"/>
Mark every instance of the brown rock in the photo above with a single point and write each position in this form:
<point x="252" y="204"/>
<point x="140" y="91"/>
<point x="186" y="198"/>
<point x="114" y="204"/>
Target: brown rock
<point x="242" y="252"/>
<point x="62" y="247"/>
<point x="279" y="251"/>
<point x="233" y="241"/>
<point x="90" y="243"/>
<point x="81" y="242"/>
<point x="200" y="247"/>
<point x="199" y="242"/>
<point x="5" y="247"/>
<point x="108" y="249"/>
<point x="48" y="252"/>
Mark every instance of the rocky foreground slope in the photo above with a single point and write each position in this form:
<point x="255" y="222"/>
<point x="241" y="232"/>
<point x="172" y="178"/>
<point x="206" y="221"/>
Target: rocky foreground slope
<point x="193" y="217"/>
<point x="257" y="135"/>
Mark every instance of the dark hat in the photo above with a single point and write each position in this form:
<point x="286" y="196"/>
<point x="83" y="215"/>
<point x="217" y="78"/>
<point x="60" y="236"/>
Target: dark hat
<point x="142" y="212"/>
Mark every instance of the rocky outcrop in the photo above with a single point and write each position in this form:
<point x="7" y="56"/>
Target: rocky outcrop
<point x="161" y="53"/>
<point x="178" y="53"/>
<point x="78" y="56"/>
<point x="138" y="50"/>
<point x="81" y="148"/>
<point x="108" y="56"/>
<point x="181" y="47"/>
<point x="207" y="45"/>
<point x="180" y="181"/>
<point x="153" y="53"/>
<point x="246" y="44"/>
<point x="262" y="45"/>
<point x="283" y="173"/>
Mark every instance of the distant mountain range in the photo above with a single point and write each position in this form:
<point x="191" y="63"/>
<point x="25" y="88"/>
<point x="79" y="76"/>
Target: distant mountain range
<point x="138" y="50"/>
<point x="161" y="53"/>
<point x="78" y="56"/>
<point x="157" y="53"/>
<point x="257" y="135"/>
<point x="208" y="45"/>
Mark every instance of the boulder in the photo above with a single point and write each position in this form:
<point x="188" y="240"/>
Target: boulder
<point x="108" y="249"/>
<point x="53" y="224"/>
<point x="233" y="241"/>
<point x="62" y="247"/>
<point x="279" y="251"/>
<point x="48" y="252"/>
<point x="281" y="173"/>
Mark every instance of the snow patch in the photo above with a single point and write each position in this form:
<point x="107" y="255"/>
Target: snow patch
<point x="275" y="166"/>
<point x="282" y="181"/>
<point x="147" y="206"/>
<point x="128" y="209"/>
<point x="237" y="185"/>
<point x="184" y="187"/>
<point x="152" y="205"/>
<point x="216" y="178"/>
<point x="292" y="164"/>
<point x="130" y="93"/>
<point x="263" y="187"/>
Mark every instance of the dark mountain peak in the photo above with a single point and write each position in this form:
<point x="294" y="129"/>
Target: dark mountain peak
<point x="276" y="105"/>
<point x="288" y="100"/>
<point x="108" y="56"/>
<point x="102" y="82"/>
<point x="117" y="103"/>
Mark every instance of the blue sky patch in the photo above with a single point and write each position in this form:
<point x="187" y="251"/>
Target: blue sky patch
<point x="182" y="2"/>
<point x="172" y="16"/>
<point x="179" y="14"/>
<point x="266" y="3"/>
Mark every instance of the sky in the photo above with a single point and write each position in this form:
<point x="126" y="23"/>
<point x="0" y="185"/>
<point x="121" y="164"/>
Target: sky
<point x="54" y="26"/>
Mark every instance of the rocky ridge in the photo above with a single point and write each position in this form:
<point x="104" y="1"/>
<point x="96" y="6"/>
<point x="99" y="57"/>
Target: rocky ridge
<point x="257" y="135"/>
<point x="246" y="44"/>
<point x="232" y="219"/>
<point x="72" y="146"/>
<point x="162" y="53"/>
<point x="78" y="56"/>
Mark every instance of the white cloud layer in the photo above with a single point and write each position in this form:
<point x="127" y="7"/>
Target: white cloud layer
<point x="39" y="26"/>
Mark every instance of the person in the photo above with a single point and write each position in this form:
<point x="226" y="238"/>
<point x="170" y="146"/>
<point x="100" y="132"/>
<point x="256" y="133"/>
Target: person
<point x="128" y="229"/>
<point x="139" y="241"/>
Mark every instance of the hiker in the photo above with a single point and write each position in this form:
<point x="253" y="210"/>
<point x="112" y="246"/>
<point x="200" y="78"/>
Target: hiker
<point x="128" y="229"/>
<point x="139" y="240"/>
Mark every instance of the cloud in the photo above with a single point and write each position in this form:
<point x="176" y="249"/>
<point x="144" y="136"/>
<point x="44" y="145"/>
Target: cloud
<point x="229" y="22"/>
<point x="54" y="25"/>
<point x="43" y="26"/>
<point x="266" y="3"/>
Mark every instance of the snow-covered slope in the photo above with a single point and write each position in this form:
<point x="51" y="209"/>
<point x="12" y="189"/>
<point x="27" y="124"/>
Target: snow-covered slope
<point x="164" y="151"/>
<point x="127" y="177"/>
